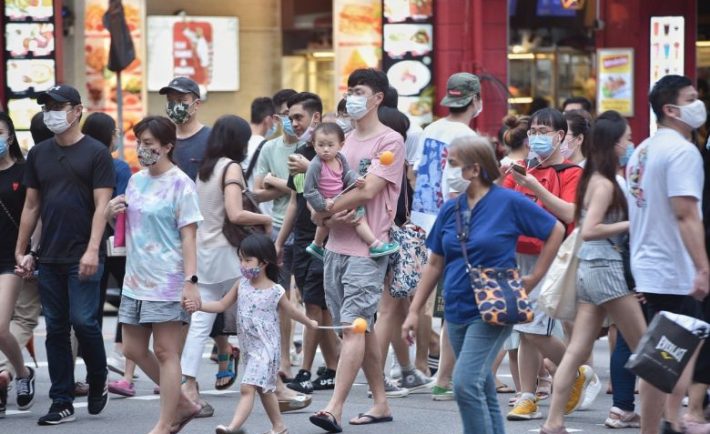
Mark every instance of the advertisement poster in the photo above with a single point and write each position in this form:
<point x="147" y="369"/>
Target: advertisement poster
<point x="205" y="49"/>
<point x="616" y="80"/>
<point x="101" y="82"/>
<point x="408" y="46"/>
<point x="667" y="51"/>
<point x="357" y="38"/>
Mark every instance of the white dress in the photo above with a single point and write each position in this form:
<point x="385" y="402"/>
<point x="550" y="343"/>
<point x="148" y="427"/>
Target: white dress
<point x="259" y="334"/>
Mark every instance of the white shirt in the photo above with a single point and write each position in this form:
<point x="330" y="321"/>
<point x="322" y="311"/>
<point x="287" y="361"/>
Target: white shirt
<point x="411" y="145"/>
<point x="664" y="166"/>
<point x="253" y="144"/>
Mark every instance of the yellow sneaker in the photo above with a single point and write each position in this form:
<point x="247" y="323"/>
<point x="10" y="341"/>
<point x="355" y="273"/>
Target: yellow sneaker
<point x="524" y="409"/>
<point x="584" y="377"/>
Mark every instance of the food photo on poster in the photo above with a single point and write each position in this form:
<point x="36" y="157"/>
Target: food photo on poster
<point x="36" y="10"/>
<point x="30" y="75"/>
<point x="22" y="39"/>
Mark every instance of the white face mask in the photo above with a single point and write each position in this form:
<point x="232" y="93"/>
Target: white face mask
<point x="694" y="114"/>
<point x="56" y="121"/>
<point x="480" y="109"/>
<point x="308" y="134"/>
<point x="356" y="106"/>
<point x="345" y="124"/>
<point x="454" y="179"/>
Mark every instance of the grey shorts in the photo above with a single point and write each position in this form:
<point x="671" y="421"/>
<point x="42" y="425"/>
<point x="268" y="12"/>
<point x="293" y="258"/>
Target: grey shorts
<point x="353" y="286"/>
<point x="144" y="312"/>
<point x="541" y="324"/>
<point x="600" y="280"/>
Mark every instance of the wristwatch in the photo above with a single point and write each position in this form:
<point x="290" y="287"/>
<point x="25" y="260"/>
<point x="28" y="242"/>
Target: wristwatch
<point x="191" y="279"/>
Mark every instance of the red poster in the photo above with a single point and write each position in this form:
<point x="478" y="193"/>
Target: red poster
<point x="192" y="50"/>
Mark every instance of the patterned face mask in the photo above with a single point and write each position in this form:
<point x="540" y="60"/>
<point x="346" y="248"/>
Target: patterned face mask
<point x="179" y="112"/>
<point x="250" y="272"/>
<point x="148" y="157"/>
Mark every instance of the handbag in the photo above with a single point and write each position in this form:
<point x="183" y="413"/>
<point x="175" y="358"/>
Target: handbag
<point x="498" y="292"/>
<point x="235" y="233"/>
<point x="666" y="348"/>
<point x="625" y="252"/>
<point x="558" y="293"/>
<point x="407" y="263"/>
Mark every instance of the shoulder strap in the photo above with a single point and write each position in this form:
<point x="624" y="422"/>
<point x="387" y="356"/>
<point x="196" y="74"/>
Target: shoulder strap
<point x="231" y="181"/>
<point x="254" y="159"/>
<point x="564" y="166"/>
<point x="462" y="229"/>
<point x="7" y="211"/>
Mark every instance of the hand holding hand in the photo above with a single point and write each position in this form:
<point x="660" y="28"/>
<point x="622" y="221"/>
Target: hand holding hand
<point x="191" y="301"/>
<point x="25" y="266"/>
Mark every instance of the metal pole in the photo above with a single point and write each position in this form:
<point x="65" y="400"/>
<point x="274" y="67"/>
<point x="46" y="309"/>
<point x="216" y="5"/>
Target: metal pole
<point x="119" y="114"/>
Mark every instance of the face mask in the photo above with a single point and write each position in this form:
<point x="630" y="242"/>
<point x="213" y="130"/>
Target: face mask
<point x="345" y="124"/>
<point x="624" y="159"/>
<point x="541" y="145"/>
<point x="148" y="157"/>
<point x="565" y="150"/>
<point x="178" y="112"/>
<point x="56" y="121"/>
<point x="356" y="106"/>
<point x="455" y="180"/>
<point x="4" y="147"/>
<point x="250" y="272"/>
<point x="271" y="131"/>
<point x="308" y="134"/>
<point x="480" y="109"/>
<point x="287" y="126"/>
<point x="694" y="114"/>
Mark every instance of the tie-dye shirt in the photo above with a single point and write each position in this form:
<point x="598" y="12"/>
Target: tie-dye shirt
<point x="158" y="206"/>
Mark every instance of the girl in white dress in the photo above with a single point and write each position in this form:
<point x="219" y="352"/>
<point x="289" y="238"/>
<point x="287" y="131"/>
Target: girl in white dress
<point x="258" y="299"/>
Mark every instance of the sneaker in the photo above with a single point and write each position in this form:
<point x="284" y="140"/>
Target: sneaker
<point x="316" y="251"/>
<point x="58" y="413"/>
<point x="416" y="380"/>
<point x="5" y="380"/>
<point x="81" y="389"/>
<point x="122" y="387"/>
<point x="392" y="390"/>
<point x="98" y="398"/>
<point x="584" y="377"/>
<point x="513" y="399"/>
<point x="26" y="390"/>
<point x="619" y="418"/>
<point x="325" y="381"/>
<point x="439" y="393"/>
<point x="433" y="362"/>
<point x="395" y="369"/>
<point x="301" y="382"/>
<point x="321" y="370"/>
<point x="595" y="386"/>
<point x="384" y="249"/>
<point x="525" y="409"/>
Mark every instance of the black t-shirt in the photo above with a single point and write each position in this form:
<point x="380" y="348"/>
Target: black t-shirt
<point x="303" y="228"/>
<point x="12" y="196"/>
<point x="66" y="178"/>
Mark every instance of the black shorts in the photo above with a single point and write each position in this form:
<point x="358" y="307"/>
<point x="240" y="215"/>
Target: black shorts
<point x="308" y="273"/>
<point x="684" y="305"/>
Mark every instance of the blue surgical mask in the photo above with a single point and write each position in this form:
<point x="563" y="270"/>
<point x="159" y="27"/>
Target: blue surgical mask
<point x="4" y="147"/>
<point x="356" y="106"/>
<point x="624" y="158"/>
<point x="271" y="131"/>
<point x="541" y="145"/>
<point x="287" y="126"/>
<point x="250" y="272"/>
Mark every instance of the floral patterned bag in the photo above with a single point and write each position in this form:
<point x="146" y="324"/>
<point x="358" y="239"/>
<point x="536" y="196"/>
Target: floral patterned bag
<point x="407" y="264"/>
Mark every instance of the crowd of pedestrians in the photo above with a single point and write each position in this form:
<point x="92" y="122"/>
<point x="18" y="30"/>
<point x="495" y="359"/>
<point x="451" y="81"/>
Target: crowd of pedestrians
<point x="299" y="214"/>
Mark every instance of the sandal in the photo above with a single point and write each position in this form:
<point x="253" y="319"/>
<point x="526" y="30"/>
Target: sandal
<point x="544" y="387"/>
<point x="226" y="373"/>
<point x="504" y="388"/>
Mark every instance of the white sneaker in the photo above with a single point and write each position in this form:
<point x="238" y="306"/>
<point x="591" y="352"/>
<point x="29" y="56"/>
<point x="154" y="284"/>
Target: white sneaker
<point x="116" y="362"/>
<point x="591" y="393"/>
<point x="619" y="418"/>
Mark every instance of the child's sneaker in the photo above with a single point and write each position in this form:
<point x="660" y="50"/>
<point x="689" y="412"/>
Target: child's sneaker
<point x="316" y="251"/>
<point x="122" y="387"/>
<point x="384" y="249"/>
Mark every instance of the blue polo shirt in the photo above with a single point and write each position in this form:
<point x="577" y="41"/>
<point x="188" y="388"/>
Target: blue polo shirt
<point x="497" y="220"/>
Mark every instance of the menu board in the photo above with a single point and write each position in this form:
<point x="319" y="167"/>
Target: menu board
<point x="101" y="82"/>
<point x="667" y="51"/>
<point x="30" y="64"/>
<point x="205" y="49"/>
<point x="616" y="80"/>
<point x="408" y="46"/>
<point x="357" y="39"/>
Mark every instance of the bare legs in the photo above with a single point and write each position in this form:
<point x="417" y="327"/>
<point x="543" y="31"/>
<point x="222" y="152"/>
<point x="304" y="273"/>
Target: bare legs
<point x="10" y="286"/>
<point x="327" y="339"/>
<point x="392" y="313"/>
<point x="246" y="404"/>
<point x="447" y="360"/>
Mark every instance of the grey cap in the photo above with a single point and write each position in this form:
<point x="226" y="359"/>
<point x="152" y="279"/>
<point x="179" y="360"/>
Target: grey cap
<point x="182" y="85"/>
<point x="460" y="89"/>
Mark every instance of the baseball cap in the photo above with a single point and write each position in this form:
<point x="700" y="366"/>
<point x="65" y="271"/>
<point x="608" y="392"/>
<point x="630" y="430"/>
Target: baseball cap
<point x="182" y="85"/>
<point x="60" y="93"/>
<point x="460" y="89"/>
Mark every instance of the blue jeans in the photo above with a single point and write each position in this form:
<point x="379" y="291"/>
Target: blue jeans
<point x="623" y="381"/>
<point x="68" y="302"/>
<point x="476" y="346"/>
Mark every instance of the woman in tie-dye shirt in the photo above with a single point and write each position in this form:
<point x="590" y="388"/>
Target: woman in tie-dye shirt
<point x="162" y="213"/>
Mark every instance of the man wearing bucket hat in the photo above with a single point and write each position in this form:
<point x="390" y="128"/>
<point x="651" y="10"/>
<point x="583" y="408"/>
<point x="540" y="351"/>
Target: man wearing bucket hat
<point x="432" y="188"/>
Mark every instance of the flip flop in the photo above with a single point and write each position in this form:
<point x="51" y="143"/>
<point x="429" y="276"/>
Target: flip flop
<point x="504" y="388"/>
<point x="185" y="421"/>
<point x="326" y="421"/>
<point x="370" y="419"/>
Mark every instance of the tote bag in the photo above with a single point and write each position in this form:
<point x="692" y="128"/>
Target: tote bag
<point x="558" y="293"/>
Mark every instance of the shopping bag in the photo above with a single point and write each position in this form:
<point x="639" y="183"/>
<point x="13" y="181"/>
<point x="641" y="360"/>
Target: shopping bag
<point x="408" y="263"/>
<point x="666" y="348"/>
<point x="558" y="293"/>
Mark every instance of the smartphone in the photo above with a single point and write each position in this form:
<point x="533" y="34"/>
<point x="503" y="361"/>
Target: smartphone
<point x="520" y="169"/>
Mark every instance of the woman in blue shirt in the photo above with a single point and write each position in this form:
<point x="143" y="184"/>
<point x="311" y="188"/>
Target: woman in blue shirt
<point x="498" y="217"/>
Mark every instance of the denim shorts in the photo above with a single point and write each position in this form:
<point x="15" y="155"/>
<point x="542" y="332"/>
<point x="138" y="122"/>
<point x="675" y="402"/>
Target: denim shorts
<point x="144" y="312"/>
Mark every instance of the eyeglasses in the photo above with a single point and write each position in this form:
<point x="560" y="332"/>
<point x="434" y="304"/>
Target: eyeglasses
<point x="532" y="133"/>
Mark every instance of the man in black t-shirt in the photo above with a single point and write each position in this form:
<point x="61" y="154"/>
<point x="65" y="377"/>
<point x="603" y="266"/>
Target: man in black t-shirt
<point x="308" y="273"/>
<point x="69" y="179"/>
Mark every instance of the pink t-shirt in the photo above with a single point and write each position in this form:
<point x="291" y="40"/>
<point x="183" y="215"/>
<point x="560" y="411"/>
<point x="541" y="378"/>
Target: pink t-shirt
<point x="330" y="183"/>
<point x="379" y="211"/>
